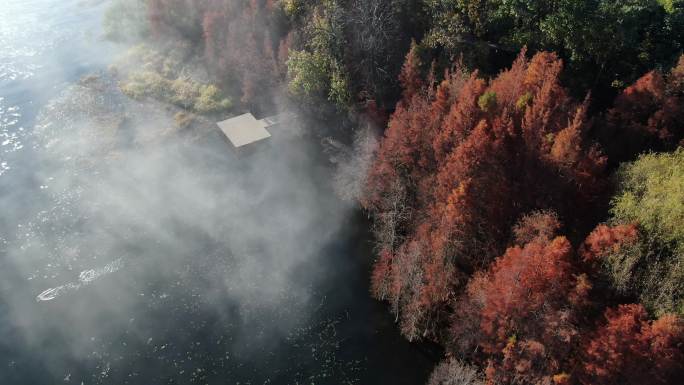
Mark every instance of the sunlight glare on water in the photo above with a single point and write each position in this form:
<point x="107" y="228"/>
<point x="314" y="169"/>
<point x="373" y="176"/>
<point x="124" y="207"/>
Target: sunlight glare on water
<point x="40" y="50"/>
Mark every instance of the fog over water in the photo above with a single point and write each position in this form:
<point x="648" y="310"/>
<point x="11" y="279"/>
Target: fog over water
<point x="131" y="252"/>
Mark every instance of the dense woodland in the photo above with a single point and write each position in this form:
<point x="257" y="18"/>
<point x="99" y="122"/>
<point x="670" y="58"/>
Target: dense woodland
<point x="528" y="192"/>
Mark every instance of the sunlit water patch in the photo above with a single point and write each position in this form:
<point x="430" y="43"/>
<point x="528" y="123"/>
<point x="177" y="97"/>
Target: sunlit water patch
<point x="32" y="31"/>
<point x="44" y="44"/>
<point x="17" y="60"/>
<point x="11" y="132"/>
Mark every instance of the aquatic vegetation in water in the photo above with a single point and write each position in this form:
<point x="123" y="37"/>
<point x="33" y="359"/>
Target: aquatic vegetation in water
<point x="182" y="92"/>
<point x="169" y="77"/>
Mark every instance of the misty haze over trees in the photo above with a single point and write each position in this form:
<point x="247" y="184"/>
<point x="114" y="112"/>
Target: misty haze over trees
<point x="521" y="164"/>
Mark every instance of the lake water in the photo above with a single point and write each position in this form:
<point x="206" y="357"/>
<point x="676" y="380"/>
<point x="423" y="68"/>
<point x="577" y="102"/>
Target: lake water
<point x="130" y="260"/>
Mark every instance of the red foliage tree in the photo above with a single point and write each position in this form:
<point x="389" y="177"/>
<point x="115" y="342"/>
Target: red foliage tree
<point x="154" y="16"/>
<point x="238" y="40"/>
<point x="410" y="77"/>
<point x="605" y="239"/>
<point x="381" y="279"/>
<point x="537" y="226"/>
<point x="648" y="115"/>
<point x="212" y="40"/>
<point x="527" y="308"/>
<point x="629" y="349"/>
<point x="470" y="158"/>
<point x="462" y="114"/>
<point x="484" y="183"/>
<point x="414" y="284"/>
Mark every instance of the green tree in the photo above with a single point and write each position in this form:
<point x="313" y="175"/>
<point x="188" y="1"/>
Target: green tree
<point x="651" y="192"/>
<point x="363" y="40"/>
<point x="308" y="73"/>
<point x="315" y="72"/>
<point x="606" y="43"/>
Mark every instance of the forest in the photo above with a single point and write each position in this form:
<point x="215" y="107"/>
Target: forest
<point x="527" y="192"/>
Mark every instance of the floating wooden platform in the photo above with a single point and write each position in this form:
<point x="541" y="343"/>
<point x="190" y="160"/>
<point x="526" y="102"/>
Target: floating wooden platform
<point x="245" y="129"/>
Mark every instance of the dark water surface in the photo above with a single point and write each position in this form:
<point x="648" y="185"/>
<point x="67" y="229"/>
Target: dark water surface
<point x="172" y="261"/>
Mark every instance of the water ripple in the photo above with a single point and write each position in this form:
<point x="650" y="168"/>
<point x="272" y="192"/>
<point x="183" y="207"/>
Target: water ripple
<point x="11" y="133"/>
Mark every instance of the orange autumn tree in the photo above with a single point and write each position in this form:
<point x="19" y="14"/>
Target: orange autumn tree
<point x="241" y="45"/>
<point x="524" y="314"/>
<point x="244" y="46"/>
<point x="648" y="115"/>
<point x="530" y="318"/>
<point x="606" y="239"/>
<point x="628" y="349"/>
<point x="461" y="161"/>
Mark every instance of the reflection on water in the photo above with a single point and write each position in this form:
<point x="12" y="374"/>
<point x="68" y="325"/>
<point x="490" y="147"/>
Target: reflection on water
<point x="129" y="255"/>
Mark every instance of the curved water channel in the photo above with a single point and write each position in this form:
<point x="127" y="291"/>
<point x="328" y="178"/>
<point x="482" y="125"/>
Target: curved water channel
<point x="146" y="259"/>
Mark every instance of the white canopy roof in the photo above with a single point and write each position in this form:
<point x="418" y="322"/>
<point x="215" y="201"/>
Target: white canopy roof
<point x="244" y="129"/>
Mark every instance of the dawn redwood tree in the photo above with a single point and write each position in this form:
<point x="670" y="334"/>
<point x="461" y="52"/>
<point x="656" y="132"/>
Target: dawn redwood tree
<point x="538" y="225"/>
<point x="628" y="349"/>
<point x="154" y="16"/>
<point x="405" y="147"/>
<point x="461" y="113"/>
<point x="522" y="131"/>
<point x="604" y="240"/>
<point x="410" y="77"/>
<point x="530" y="318"/>
<point x="526" y="309"/>
<point x="467" y="158"/>
<point x="239" y="39"/>
<point x="646" y="116"/>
